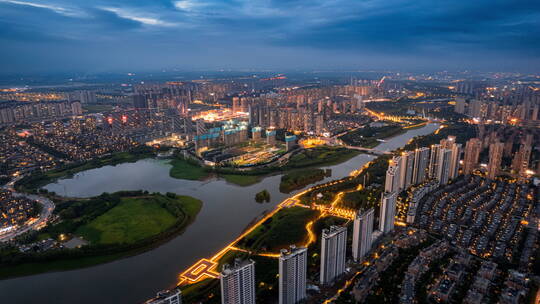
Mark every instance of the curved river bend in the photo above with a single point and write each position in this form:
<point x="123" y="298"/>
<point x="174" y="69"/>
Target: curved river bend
<point x="227" y="210"/>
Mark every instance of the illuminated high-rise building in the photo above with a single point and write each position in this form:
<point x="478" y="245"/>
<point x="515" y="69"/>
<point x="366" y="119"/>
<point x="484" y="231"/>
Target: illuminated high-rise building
<point x="244" y="105"/>
<point x="238" y="283"/>
<point x="451" y="144"/>
<point x="271" y="137"/>
<point x="319" y="124"/>
<point x="290" y="142"/>
<point x="520" y="163"/>
<point x="333" y="253"/>
<point x="421" y="162"/>
<point x="388" y="212"/>
<point x="173" y="296"/>
<point x="236" y="107"/>
<point x="406" y="169"/>
<point x="495" y="159"/>
<point x="472" y="153"/>
<point x="256" y="133"/>
<point x="434" y="161"/>
<point x="459" y="107"/>
<point x="362" y="233"/>
<point x="292" y="275"/>
<point x="444" y="166"/>
<point x="392" y="181"/>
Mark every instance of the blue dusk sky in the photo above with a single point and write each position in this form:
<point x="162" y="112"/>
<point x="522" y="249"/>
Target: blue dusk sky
<point x="139" y="35"/>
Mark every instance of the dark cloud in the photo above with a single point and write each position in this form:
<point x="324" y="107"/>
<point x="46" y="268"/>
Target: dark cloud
<point x="102" y="34"/>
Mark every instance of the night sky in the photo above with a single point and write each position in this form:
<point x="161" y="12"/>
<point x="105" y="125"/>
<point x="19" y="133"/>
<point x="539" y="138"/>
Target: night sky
<point x="138" y="35"/>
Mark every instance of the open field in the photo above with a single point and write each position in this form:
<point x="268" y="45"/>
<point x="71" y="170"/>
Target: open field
<point x="132" y="220"/>
<point x="320" y="156"/>
<point x="116" y="225"/>
<point x="183" y="169"/>
<point x="298" y="179"/>
<point x="285" y="228"/>
<point x="241" y="180"/>
<point x="368" y="137"/>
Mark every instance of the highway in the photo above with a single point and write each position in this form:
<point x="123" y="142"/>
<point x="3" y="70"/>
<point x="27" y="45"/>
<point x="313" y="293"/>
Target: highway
<point x="45" y="215"/>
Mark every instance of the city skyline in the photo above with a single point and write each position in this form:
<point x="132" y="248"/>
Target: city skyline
<point x="391" y="161"/>
<point x="270" y="151"/>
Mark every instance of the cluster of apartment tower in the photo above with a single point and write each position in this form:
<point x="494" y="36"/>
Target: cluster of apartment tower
<point x="238" y="280"/>
<point x="441" y="163"/>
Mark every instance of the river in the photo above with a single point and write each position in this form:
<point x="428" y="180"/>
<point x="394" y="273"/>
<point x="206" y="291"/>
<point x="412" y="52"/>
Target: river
<point x="227" y="210"/>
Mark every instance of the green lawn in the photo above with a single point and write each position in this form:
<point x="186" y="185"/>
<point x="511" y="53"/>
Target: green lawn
<point x="135" y="219"/>
<point x="128" y="223"/>
<point x="190" y="205"/>
<point x="300" y="178"/>
<point x="183" y="169"/>
<point x="320" y="156"/>
<point x="132" y="220"/>
<point x="241" y="180"/>
<point x="287" y="227"/>
<point x="369" y="137"/>
<point x="365" y="198"/>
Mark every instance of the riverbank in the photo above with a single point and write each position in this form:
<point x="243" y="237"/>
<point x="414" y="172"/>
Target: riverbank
<point x="296" y="225"/>
<point x="370" y="137"/>
<point x="228" y="210"/>
<point x="307" y="158"/>
<point x="299" y="179"/>
<point x="114" y="225"/>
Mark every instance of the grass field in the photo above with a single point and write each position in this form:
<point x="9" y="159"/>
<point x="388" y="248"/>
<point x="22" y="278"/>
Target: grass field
<point x="369" y="137"/>
<point x="365" y="198"/>
<point x="132" y="220"/>
<point x="300" y="178"/>
<point x="320" y="156"/>
<point x="241" y="180"/>
<point x="287" y="227"/>
<point x="183" y="169"/>
<point x="134" y="225"/>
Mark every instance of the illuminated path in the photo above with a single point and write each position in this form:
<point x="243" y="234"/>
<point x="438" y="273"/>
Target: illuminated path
<point x="207" y="268"/>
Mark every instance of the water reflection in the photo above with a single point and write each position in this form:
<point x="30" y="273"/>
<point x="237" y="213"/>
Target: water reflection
<point x="227" y="210"/>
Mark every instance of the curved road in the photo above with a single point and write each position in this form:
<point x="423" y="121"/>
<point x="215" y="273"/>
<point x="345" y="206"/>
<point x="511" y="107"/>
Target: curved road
<point x="46" y="212"/>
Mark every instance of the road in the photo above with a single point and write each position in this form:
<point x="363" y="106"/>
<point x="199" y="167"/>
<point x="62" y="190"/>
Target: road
<point x="45" y="215"/>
